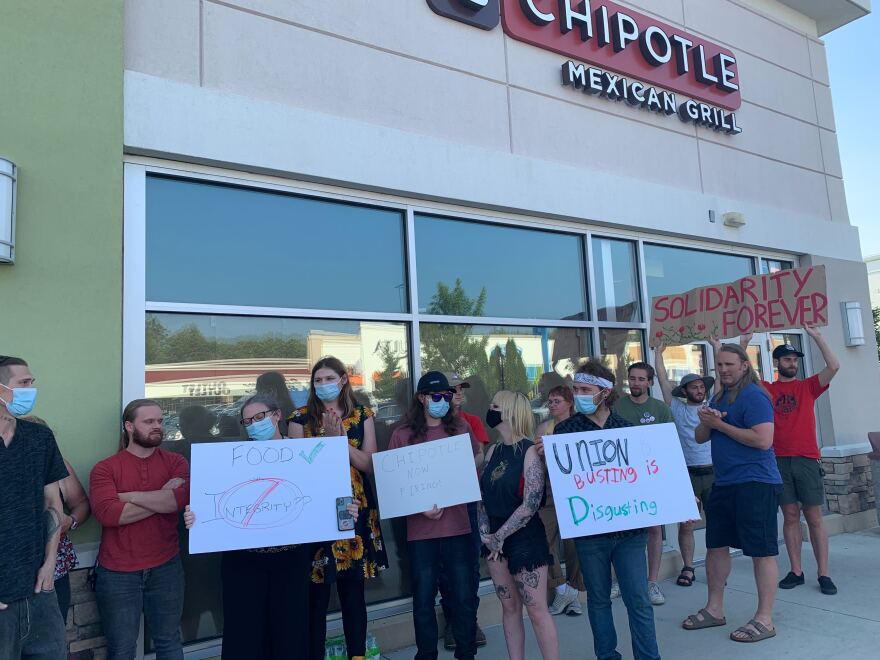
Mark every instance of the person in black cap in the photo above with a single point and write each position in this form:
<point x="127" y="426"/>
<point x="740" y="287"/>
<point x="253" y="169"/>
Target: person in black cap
<point x="798" y="457"/>
<point x="694" y="389"/>
<point x="440" y="540"/>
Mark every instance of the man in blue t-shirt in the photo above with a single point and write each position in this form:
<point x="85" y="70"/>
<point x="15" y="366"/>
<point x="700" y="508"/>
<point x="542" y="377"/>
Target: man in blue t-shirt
<point x="741" y="511"/>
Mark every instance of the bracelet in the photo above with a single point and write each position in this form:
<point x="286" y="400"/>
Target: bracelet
<point x="75" y="523"/>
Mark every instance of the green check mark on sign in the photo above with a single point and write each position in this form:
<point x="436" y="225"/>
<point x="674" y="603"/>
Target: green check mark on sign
<point x="315" y="451"/>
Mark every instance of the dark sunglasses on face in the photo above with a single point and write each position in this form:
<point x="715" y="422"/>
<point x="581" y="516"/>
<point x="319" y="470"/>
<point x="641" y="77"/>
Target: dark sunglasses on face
<point x="437" y="396"/>
<point x="259" y="417"/>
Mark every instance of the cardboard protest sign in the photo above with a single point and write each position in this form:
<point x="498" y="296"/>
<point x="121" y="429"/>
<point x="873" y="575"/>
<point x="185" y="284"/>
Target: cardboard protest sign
<point x="758" y="303"/>
<point x="262" y="494"/>
<point x="413" y="479"/>
<point x="617" y="479"/>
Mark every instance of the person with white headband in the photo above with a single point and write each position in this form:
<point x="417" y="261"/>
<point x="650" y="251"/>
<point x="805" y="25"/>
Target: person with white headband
<point x="594" y="395"/>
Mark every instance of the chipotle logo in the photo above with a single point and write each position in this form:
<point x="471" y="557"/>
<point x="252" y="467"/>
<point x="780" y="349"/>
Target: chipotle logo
<point x="613" y="37"/>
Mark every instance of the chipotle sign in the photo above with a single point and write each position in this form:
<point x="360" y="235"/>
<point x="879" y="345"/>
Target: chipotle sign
<point x="613" y="37"/>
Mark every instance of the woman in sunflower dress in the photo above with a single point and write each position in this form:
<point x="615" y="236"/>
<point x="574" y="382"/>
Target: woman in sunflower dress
<point x="332" y="411"/>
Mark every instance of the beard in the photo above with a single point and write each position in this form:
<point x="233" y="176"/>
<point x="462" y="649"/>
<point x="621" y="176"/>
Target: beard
<point x="148" y="441"/>
<point x="788" y="372"/>
<point x="636" y="391"/>
<point x="693" y="399"/>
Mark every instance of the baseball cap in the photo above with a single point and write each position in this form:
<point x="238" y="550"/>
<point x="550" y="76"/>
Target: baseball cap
<point x="785" y="349"/>
<point x="687" y="379"/>
<point x="455" y="380"/>
<point x="433" y="381"/>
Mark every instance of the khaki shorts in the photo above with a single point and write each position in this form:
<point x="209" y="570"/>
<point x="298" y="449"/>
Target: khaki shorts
<point x="802" y="481"/>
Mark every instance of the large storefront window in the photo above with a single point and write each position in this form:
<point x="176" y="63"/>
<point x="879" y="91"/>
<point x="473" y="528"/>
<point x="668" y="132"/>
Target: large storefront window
<point x="619" y="349"/>
<point x="616" y="280"/>
<point x="671" y="270"/>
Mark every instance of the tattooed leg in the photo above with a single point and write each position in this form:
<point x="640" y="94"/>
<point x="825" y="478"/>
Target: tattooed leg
<point x="511" y="609"/>
<point x="534" y="587"/>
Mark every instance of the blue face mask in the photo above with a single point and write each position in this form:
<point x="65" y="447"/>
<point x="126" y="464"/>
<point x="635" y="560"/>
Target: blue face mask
<point x="328" y="391"/>
<point x="438" y="409"/>
<point x="263" y="430"/>
<point x="23" y="400"/>
<point x="585" y="404"/>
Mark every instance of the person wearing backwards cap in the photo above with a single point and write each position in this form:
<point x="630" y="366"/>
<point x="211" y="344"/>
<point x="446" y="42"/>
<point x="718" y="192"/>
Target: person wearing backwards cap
<point x="798" y="458"/>
<point x="694" y="389"/>
<point x="594" y="396"/>
<point x="439" y="540"/>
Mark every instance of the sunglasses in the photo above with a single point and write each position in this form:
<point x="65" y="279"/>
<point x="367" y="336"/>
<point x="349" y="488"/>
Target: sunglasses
<point x="438" y="396"/>
<point x="259" y="417"/>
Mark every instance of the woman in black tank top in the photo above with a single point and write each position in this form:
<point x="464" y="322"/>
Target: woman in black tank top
<point x="512" y="483"/>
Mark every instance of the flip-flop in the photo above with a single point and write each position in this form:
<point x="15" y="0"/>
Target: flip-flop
<point x="684" y="580"/>
<point x="751" y="635"/>
<point x="708" y="621"/>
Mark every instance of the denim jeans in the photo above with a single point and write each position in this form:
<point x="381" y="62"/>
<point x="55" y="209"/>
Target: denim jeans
<point x="32" y="628"/>
<point x="453" y="556"/>
<point x="158" y="593"/>
<point x="627" y="554"/>
<point x="478" y="544"/>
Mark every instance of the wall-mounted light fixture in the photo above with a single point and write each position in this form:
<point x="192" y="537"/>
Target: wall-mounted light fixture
<point x="8" y="175"/>
<point x="733" y="219"/>
<point x="853" y="328"/>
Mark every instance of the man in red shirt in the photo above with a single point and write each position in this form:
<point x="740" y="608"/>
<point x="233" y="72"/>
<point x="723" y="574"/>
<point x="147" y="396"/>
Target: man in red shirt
<point x="136" y="495"/>
<point x="798" y="457"/>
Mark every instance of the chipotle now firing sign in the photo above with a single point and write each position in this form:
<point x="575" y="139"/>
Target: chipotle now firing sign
<point x="785" y="299"/>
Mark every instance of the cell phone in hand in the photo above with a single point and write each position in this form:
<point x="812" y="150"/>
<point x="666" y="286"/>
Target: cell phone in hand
<point x="344" y="521"/>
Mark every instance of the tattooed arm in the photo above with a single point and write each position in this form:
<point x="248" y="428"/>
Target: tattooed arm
<point x="52" y="512"/>
<point x="533" y="490"/>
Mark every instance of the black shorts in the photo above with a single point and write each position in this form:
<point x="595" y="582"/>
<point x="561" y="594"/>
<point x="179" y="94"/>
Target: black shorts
<point x="525" y="549"/>
<point x="744" y="516"/>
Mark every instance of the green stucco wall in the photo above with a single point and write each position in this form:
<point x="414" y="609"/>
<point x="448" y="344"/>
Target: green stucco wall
<point x="61" y="69"/>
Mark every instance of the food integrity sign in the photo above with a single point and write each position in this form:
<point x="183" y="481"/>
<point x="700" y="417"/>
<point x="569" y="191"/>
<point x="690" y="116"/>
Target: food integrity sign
<point x="626" y="49"/>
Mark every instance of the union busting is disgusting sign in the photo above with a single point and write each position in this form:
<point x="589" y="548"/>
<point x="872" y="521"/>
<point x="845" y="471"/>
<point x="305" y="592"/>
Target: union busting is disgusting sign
<point x="617" y="479"/>
<point x="261" y="494"/>
<point x="759" y="303"/>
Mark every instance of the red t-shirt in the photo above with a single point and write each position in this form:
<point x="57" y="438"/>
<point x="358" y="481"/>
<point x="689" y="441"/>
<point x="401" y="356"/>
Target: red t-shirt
<point x="455" y="520"/>
<point x="794" y="419"/>
<point x="478" y="431"/>
<point x="149" y="542"/>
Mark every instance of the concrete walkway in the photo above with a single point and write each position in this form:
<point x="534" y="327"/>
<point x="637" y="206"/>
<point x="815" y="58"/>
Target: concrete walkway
<point x="809" y="624"/>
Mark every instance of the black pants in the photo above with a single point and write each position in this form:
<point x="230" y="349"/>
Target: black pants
<point x="354" y="616"/>
<point x="265" y="603"/>
<point x="62" y="588"/>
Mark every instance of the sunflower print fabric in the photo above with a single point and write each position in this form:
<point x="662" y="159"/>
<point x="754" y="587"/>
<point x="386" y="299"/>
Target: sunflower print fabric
<point x="365" y="553"/>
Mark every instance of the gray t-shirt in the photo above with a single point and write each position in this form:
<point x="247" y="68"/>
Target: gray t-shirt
<point x="686" y="421"/>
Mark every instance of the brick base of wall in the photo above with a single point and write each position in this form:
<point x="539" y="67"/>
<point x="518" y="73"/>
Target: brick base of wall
<point x="849" y="484"/>
<point x="84" y="636"/>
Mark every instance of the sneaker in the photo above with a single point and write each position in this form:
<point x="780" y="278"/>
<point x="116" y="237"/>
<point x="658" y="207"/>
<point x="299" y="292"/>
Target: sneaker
<point x="481" y="637"/>
<point x="826" y="585"/>
<point x="563" y="601"/>
<point x="654" y="593"/>
<point x="448" y="638"/>
<point x="615" y="590"/>
<point x="575" y="608"/>
<point x="791" y="581"/>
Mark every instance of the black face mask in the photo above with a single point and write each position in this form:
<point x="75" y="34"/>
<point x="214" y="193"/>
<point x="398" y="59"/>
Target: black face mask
<point x="493" y="418"/>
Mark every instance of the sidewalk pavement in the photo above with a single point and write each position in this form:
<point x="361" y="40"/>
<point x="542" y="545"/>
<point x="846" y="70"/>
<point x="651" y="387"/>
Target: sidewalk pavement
<point x="809" y="624"/>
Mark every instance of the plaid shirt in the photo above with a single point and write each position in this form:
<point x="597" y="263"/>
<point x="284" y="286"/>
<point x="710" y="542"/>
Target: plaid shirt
<point x="578" y="423"/>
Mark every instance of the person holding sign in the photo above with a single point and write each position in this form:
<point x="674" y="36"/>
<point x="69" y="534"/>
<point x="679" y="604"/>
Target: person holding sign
<point x="694" y="389"/>
<point x="332" y="411"/>
<point x="741" y="512"/>
<point x="594" y="396"/>
<point x="566" y="589"/>
<point x="439" y="540"/>
<point x="512" y="483"/>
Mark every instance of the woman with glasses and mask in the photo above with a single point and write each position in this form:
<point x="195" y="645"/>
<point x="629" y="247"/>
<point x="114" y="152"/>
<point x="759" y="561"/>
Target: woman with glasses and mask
<point x="439" y="540"/>
<point x="265" y="590"/>
<point x="512" y="483"/>
<point x="333" y="411"/>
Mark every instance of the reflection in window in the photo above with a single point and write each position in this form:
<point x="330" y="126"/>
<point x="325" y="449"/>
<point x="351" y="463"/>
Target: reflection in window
<point x="215" y="244"/>
<point x="200" y="368"/>
<point x="756" y="357"/>
<point x="671" y="270"/>
<point x="469" y="268"/>
<point x="616" y="281"/>
<point x="683" y="360"/>
<point x="618" y="349"/>
<point x="769" y="266"/>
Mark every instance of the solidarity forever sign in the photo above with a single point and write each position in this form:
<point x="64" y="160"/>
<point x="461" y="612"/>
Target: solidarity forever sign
<point x="413" y="479"/>
<point x="785" y="299"/>
<point x="617" y="479"/>
<point x="261" y="494"/>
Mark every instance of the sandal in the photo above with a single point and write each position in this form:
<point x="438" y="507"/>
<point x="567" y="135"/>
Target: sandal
<point x="685" y="581"/>
<point x="760" y="632"/>
<point x="709" y="621"/>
